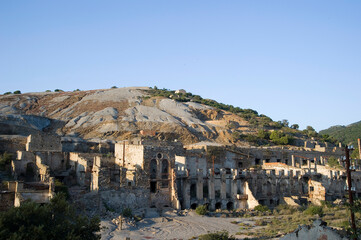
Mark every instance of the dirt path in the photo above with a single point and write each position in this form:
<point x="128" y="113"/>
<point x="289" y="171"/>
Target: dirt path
<point x="177" y="227"/>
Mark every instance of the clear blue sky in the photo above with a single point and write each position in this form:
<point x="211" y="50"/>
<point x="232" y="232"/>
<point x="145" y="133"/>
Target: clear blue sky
<point x="295" y="60"/>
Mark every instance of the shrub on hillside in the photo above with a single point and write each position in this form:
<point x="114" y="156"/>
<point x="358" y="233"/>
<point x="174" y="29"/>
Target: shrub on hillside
<point x="284" y="209"/>
<point x="313" y="210"/>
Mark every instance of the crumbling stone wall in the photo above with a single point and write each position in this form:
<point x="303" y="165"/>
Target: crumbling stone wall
<point x="105" y="174"/>
<point x="82" y="165"/>
<point x="43" y="142"/>
<point x="17" y="192"/>
<point x="316" y="192"/>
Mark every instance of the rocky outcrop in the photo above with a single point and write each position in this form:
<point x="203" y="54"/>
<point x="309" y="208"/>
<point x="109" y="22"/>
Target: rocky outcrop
<point x="116" y="114"/>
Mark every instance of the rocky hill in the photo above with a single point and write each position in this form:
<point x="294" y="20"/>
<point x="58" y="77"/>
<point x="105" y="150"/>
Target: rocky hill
<point x="118" y="113"/>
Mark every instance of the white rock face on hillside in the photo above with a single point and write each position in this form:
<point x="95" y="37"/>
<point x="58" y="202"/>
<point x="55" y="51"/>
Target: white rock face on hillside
<point x="106" y="112"/>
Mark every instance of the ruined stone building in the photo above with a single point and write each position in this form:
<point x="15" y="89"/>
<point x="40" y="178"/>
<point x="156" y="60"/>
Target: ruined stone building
<point x="142" y="173"/>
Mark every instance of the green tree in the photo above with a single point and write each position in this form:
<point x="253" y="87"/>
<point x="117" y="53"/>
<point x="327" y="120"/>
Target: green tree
<point x="262" y="134"/>
<point x="279" y="138"/>
<point x="355" y="154"/>
<point x="17" y="92"/>
<point x="7" y="93"/>
<point x="56" y="220"/>
<point x="310" y="131"/>
<point x="295" y="126"/>
<point x="285" y="122"/>
<point x="333" y="162"/>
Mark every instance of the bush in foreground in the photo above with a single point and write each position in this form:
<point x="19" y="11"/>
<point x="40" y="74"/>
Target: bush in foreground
<point x="201" y="210"/>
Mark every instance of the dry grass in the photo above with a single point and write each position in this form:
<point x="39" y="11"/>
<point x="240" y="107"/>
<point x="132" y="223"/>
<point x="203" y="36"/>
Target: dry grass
<point x="287" y="219"/>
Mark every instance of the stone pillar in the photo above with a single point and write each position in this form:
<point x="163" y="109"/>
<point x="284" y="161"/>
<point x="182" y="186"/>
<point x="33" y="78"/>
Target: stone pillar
<point x="187" y="194"/>
<point x="211" y="193"/>
<point x="234" y="182"/>
<point x="300" y="163"/>
<point x="293" y="161"/>
<point x="223" y="184"/>
<point x="200" y="184"/>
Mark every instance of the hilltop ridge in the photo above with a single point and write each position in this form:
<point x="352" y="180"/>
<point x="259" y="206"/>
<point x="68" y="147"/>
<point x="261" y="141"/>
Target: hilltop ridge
<point x="118" y="113"/>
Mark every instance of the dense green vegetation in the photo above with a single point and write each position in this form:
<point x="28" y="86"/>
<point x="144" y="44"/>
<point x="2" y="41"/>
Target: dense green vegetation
<point x="345" y="134"/>
<point x="56" y="220"/>
<point x="5" y="159"/>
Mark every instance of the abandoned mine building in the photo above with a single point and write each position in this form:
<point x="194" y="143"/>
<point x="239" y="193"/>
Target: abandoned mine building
<point x="143" y="173"/>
